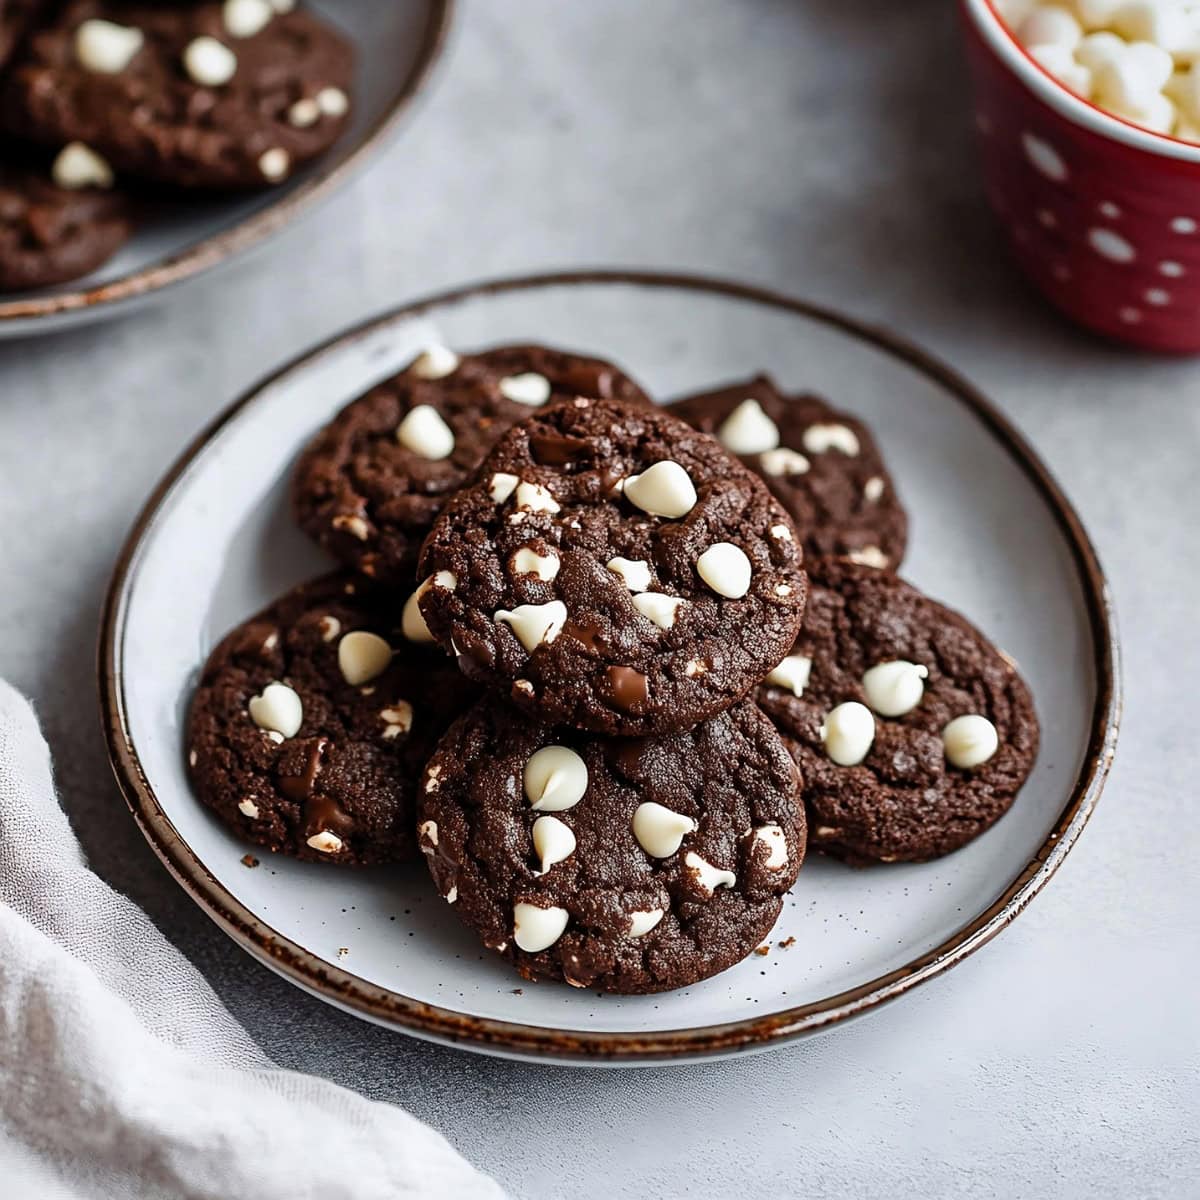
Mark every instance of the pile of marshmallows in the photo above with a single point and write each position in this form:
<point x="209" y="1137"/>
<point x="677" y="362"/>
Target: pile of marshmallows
<point x="1136" y="59"/>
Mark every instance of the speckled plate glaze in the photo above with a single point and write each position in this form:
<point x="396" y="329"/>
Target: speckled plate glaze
<point x="992" y="535"/>
<point x="397" y="43"/>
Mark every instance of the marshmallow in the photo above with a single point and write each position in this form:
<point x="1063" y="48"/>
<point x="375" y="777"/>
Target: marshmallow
<point x="555" y="779"/>
<point x="848" y="732"/>
<point x="1052" y="26"/>
<point x="748" y="430"/>
<point x="537" y="928"/>
<point x="663" y="490"/>
<point x="424" y="432"/>
<point x="535" y="623"/>
<point x="659" y="830"/>
<point x="726" y="569"/>
<point x="1060" y="62"/>
<point x="970" y="741"/>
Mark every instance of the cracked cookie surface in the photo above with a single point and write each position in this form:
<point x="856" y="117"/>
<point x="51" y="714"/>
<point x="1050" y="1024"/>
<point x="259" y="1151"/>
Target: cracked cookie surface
<point x="312" y="722"/>
<point x="906" y="800"/>
<point x="613" y="569"/>
<point x="823" y="466"/>
<point x="372" y="482"/>
<point x="631" y="866"/>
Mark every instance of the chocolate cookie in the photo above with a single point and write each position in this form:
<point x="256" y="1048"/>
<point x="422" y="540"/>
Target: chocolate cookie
<point x="629" y="866"/>
<point x="913" y="733"/>
<point x="50" y="234"/>
<point x="374" y="480"/>
<point x="207" y="95"/>
<point x="16" y="17"/>
<point x="312" y="723"/>
<point x="822" y="465"/>
<point x="614" y="570"/>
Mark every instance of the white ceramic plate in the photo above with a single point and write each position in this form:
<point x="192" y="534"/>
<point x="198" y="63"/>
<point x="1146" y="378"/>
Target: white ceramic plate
<point x="397" y="44"/>
<point x="991" y="535"/>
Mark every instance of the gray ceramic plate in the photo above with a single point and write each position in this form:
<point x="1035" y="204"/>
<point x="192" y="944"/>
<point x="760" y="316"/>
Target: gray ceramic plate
<point x="397" y="42"/>
<point x="992" y="535"/>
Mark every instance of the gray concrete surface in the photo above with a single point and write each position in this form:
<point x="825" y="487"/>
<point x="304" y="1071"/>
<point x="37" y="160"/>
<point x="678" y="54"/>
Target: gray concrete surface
<point x="821" y="146"/>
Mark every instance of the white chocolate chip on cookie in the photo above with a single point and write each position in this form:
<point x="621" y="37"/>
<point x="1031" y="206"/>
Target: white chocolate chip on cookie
<point x="362" y="656"/>
<point x="277" y="709"/>
<point x="663" y="490"/>
<point x="555" y="779"/>
<point x="659" y="830"/>
<point x="848" y="733"/>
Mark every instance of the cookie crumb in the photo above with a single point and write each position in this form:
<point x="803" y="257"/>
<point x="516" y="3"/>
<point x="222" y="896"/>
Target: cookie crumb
<point x="248" y="860"/>
<point x="787" y="943"/>
<point x="764" y="949"/>
<point x="343" y="951"/>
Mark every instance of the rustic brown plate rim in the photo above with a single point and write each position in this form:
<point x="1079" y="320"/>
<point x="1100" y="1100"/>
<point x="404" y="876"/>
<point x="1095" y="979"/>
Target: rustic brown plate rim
<point x="346" y="990"/>
<point x="249" y="232"/>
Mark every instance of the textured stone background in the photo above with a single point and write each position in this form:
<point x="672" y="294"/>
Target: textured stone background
<point x="821" y="146"/>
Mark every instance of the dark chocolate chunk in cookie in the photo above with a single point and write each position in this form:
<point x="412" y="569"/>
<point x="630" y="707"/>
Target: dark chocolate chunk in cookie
<point x="202" y="95"/>
<point x="49" y="234"/>
<point x="313" y="721"/>
<point x="913" y="732"/>
<point x="613" y="569"/>
<point x="629" y="866"/>
<point x="373" y="481"/>
<point x="823" y="466"/>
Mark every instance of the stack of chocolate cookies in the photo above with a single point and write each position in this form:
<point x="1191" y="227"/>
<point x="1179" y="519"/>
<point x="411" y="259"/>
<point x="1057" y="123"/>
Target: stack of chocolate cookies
<point x="100" y="96"/>
<point x="575" y="659"/>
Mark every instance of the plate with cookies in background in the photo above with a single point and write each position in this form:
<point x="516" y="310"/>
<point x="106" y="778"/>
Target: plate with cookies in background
<point x="145" y="143"/>
<point x="612" y="668"/>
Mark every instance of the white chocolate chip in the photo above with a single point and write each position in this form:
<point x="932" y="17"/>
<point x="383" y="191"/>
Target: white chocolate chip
<point x="436" y="362"/>
<point x="412" y="623"/>
<point x="535" y="623"/>
<point x="245" y="18"/>
<point x="553" y="841"/>
<point x="452" y="895"/>
<point x="870" y="556"/>
<point x="636" y="574"/>
<point x="894" y="688"/>
<point x="304" y="113"/>
<point x="661" y="609"/>
<point x="428" y="833"/>
<point x="271" y="641"/>
<point x="820" y="438"/>
<point x="783" y="589"/>
<point x="848" y="732"/>
<point x="970" y="741"/>
<point x="775" y="840"/>
<point x="641" y="921"/>
<point x="330" y="627"/>
<point x="397" y="719"/>
<point x="193" y="757"/>
<point x="726" y="569"/>
<point x="352" y="524"/>
<point x="106" y="47"/>
<point x="424" y="432"/>
<point x="78" y="166"/>
<point x="433" y="779"/>
<point x="502" y="486"/>
<point x="523" y="685"/>
<point x="695" y="667"/>
<point x="333" y="102"/>
<point x="363" y="656"/>
<point x="528" y="561"/>
<point x="659" y="830"/>
<point x="248" y="809"/>
<point x="781" y="533"/>
<point x="274" y="163"/>
<point x="709" y="877"/>
<point x="748" y="430"/>
<point x="210" y="63"/>
<point x="663" y="490"/>
<point x="873" y="489"/>
<point x="536" y="498"/>
<point x="325" y="842"/>
<point x="537" y="928"/>
<point x="530" y="388"/>
<point x="555" y="779"/>
<point x="784" y="461"/>
<point x="277" y="709"/>
<point x="793" y="673"/>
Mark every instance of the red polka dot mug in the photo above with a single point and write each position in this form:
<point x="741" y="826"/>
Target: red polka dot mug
<point x="1102" y="215"/>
